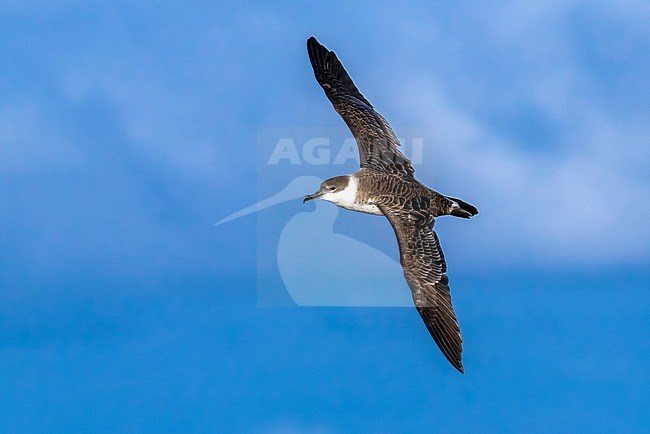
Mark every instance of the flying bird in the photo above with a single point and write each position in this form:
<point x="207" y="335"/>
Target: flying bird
<point x="385" y="185"/>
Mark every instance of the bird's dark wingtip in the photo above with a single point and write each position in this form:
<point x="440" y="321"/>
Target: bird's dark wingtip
<point x="313" y="42"/>
<point x="317" y="55"/>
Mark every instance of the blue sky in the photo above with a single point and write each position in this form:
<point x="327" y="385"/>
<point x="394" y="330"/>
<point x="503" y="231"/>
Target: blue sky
<point x="127" y="129"/>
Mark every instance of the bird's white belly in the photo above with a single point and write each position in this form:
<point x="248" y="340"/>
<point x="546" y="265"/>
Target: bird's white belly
<point x="348" y="202"/>
<point x="365" y="208"/>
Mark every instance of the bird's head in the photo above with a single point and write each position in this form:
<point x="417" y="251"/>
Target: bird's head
<point x="330" y="189"/>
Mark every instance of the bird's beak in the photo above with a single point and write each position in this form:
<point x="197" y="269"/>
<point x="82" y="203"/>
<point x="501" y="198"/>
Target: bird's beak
<point x="312" y="196"/>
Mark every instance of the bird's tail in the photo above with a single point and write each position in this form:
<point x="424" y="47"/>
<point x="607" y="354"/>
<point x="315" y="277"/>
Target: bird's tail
<point x="462" y="209"/>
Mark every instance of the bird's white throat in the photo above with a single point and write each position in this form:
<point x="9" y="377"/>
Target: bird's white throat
<point x="347" y="198"/>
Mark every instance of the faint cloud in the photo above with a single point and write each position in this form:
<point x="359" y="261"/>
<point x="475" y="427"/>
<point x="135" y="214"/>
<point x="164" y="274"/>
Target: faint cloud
<point x="575" y="205"/>
<point x="31" y="141"/>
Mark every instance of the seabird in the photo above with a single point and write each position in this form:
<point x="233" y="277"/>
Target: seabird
<point x="385" y="185"/>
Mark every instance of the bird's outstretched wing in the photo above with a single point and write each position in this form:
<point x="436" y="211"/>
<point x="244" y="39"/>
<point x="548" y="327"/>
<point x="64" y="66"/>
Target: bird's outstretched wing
<point x="378" y="145"/>
<point x="424" y="269"/>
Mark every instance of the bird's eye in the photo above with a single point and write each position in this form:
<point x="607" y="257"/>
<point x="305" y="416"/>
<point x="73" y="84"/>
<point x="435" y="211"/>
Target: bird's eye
<point x="331" y="188"/>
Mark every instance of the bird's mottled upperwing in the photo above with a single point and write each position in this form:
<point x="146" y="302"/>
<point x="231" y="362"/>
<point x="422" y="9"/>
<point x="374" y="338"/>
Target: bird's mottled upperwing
<point x="378" y="145"/>
<point x="424" y="269"/>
